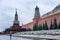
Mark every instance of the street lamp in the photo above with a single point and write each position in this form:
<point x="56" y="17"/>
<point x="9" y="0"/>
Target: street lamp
<point x="10" y="35"/>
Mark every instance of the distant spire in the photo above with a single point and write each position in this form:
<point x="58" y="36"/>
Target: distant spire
<point x="16" y="15"/>
<point x="16" y="10"/>
<point x="16" y="18"/>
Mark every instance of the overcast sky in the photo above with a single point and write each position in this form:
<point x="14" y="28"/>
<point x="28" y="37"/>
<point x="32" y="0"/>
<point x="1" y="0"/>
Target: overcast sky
<point x="25" y="10"/>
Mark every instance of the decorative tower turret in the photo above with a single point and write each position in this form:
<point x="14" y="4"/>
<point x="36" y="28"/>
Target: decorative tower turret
<point x="16" y="22"/>
<point x="36" y="15"/>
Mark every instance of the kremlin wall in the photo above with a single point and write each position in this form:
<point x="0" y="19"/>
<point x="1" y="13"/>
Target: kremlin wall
<point x="48" y="17"/>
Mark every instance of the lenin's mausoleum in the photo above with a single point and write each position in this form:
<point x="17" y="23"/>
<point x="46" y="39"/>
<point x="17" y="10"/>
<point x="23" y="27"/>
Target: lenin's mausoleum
<point x="48" y="17"/>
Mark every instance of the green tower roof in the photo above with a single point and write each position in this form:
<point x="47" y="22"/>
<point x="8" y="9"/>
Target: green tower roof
<point x="37" y="13"/>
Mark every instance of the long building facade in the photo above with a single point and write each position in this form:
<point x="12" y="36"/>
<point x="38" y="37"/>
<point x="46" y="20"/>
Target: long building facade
<point x="48" y="17"/>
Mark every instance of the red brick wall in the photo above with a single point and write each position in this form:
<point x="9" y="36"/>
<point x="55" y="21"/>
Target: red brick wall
<point x="49" y="18"/>
<point x="29" y="25"/>
<point x="42" y="20"/>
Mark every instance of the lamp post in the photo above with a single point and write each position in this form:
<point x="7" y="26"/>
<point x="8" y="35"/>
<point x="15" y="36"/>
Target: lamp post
<point x="10" y="35"/>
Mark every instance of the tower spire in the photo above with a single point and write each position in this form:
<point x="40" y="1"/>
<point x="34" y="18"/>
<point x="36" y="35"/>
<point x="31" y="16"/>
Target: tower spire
<point x="37" y="13"/>
<point x="16" y="18"/>
<point x="16" y="15"/>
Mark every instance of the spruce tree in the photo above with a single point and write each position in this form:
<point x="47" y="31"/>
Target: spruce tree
<point x="43" y="26"/>
<point x="35" y="27"/>
<point x="55" y="23"/>
<point x="59" y="26"/>
<point x="46" y="26"/>
<point x="51" y="25"/>
<point x="40" y="27"/>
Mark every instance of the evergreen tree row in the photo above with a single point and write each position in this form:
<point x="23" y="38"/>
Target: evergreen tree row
<point x="44" y="26"/>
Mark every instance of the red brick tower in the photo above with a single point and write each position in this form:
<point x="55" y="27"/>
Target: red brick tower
<point x="36" y="15"/>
